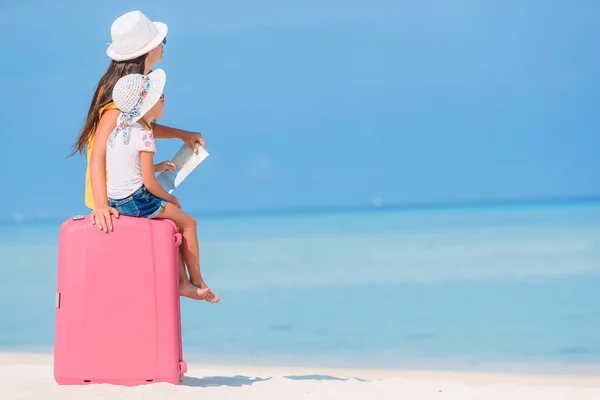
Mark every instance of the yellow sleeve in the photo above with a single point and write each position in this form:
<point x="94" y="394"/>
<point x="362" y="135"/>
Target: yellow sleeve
<point x="109" y="106"/>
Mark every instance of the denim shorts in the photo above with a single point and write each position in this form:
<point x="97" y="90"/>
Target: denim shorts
<point x="141" y="203"/>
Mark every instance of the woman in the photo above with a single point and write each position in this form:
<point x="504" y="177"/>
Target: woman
<point x="137" y="44"/>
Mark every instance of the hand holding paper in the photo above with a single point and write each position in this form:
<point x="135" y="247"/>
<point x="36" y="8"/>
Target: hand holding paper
<point x="185" y="161"/>
<point x="164" y="166"/>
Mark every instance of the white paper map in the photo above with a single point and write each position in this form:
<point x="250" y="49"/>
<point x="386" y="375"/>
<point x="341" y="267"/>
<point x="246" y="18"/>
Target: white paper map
<point x="185" y="161"/>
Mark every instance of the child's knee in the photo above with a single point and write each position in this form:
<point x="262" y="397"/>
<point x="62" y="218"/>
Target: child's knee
<point x="189" y="222"/>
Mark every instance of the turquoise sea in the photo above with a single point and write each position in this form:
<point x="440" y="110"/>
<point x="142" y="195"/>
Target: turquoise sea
<point x="513" y="287"/>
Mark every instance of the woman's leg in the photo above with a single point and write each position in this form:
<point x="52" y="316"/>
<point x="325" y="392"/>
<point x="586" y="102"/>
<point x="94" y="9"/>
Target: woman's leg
<point x="190" y="248"/>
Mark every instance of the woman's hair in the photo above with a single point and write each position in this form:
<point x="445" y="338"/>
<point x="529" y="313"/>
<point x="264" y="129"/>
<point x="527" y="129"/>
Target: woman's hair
<point x="103" y="95"/>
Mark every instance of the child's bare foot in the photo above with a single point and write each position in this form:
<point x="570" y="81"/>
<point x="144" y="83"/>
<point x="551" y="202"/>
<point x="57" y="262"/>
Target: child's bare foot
<point x="188" y="289"/>
<point x="211" y="297"/>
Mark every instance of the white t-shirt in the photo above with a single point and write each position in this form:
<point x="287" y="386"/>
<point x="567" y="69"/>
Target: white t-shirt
<point x="123" y="164"/>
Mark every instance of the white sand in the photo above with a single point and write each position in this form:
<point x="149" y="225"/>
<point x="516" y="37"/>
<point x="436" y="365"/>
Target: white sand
<point x="30" y="376"/>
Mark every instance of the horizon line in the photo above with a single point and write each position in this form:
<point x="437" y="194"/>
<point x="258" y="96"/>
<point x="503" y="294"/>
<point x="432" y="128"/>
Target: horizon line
<point x="320" y="210"/>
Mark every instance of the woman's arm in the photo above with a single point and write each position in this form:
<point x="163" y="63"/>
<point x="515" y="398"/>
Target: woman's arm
<point x="148" y="173"/>
<point x="98" y="157"/>
<point x="102" y="212"/>
<point x="189" y="138"/>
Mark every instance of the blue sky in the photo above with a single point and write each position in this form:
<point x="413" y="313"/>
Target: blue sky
<point x="320" y="103"/>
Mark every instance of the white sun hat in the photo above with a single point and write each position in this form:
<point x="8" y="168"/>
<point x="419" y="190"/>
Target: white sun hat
<point x="133" y="35"/>
<point x="135" y="95"/>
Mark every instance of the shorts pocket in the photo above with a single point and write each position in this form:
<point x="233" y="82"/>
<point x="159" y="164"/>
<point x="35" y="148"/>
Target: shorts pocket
<point x="126" y="207"/>
<point x="144" y="197"/>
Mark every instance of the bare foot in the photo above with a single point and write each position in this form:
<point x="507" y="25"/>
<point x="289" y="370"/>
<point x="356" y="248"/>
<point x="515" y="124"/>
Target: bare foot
<point x="211" y="297"/>
<point x="188" y="289"/>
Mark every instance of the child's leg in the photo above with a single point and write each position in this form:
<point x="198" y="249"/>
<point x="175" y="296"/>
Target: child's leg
<point x="191" y="250"/>
<point x="132" y="207"/>
<point x="187" y="288"/>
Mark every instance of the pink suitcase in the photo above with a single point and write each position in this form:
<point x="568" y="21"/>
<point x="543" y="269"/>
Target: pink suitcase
<point x="117" y="303"/>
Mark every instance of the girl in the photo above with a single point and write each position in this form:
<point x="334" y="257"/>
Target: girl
<point x="132" y="186"/>
<point x="137" y="45"/>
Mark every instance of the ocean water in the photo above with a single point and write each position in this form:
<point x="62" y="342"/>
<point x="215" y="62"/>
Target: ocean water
<point x="517" y="287"/>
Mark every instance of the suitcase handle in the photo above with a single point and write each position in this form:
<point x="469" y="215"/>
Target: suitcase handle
<point x="178" y="239"/>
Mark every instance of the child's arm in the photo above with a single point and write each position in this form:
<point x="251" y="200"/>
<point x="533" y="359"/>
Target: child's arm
<point x="146" y="147"/>
<point x="148" y="173"/>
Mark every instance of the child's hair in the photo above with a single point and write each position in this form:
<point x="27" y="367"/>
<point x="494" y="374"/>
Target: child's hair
<point x="103" y="96"/>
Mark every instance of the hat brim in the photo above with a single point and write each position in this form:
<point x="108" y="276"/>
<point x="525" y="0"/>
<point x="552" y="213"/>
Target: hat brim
<point x="162" y="33"/>
<point x="158" y="79"/>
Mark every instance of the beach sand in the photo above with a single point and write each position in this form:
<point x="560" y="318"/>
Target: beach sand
<point x="30" y="376"/>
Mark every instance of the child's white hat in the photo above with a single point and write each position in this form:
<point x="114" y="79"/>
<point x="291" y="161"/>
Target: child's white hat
<point x="134" y="95"/>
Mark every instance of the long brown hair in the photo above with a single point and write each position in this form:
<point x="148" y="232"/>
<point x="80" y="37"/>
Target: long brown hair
<point x="103" y="96"/>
